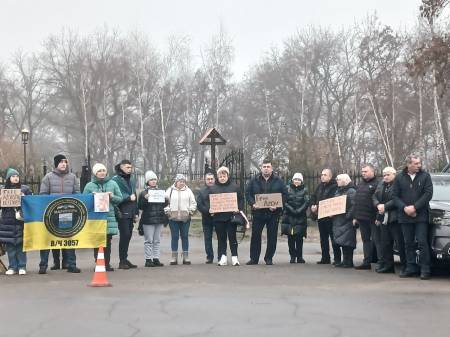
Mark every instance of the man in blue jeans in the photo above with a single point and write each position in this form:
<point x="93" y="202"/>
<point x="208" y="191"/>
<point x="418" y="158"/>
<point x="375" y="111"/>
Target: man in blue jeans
<point x="207" y="223"/>
<point x="412" y="192"/>
<point x="59" y="181"/>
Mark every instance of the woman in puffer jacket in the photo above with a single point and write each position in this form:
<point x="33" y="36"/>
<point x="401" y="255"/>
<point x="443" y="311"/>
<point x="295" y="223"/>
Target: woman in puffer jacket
<point x="344" y="233"/>
<point x="294" y="216"/>
<point x="181" y="206"/>
<point x="152" y="220"/>
<point x="11" y="228"/>
<point x="102" y="183"/>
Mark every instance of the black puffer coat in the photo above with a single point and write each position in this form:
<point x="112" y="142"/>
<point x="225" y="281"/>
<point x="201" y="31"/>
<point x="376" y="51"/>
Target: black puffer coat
<point x="364" y="208"/>
<point x="297" y="202"/>
<point x="228" y="187"/>
<point x="11" y="229"/>
<point x="344" y="233"/>
<point x="152" y="213"/>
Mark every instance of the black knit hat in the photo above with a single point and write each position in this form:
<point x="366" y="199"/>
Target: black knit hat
<point x="58" y="158"/>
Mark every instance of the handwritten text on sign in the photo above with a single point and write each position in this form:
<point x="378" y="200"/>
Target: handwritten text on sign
<point x="273" y="200"/>
<point x="223" y="202"/>
<point x="332" y="206"/>
<point x="10" y="197"/>
<point x="157" y="196"/>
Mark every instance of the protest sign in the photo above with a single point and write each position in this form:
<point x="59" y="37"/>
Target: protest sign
<point x="271" y="200"/>
<point x="10" y="197"/>
<point x="157" y="196"/>
<point x="332" y="206"/>
<point x="223" y="202"/>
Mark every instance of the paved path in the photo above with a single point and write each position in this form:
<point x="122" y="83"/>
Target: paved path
<point x="207" y="300"/>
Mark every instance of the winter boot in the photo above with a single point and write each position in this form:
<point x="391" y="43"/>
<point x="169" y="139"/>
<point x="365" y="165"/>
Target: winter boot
<point x="149" y="263"/>
<point x="186" y="258"/>
<point x="235" y="261"/>
<point x="223" y="261"/>
<point x="157" y="263"/>
<point x="174" y="260"/>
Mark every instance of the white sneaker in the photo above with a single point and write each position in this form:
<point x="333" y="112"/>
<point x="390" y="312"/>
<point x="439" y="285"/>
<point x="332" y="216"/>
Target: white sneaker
<point x="235" y="261"/>
<point x="10" y="272"/>
<point x="22" y="271"/>
<point x="223" y="261"/>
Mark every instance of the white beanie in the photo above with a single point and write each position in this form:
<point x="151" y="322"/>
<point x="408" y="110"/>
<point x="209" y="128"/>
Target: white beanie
<point x="298" y="176"/>
<point x="97" y="167"/>
<point x="223" y="169"/>
<point x="179" y="177"/>
<point x="150" y="175"/>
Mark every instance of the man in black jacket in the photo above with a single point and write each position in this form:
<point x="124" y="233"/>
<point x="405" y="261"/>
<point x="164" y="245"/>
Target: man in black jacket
<point x="413" y="190"/>
<point x="390" y="229"/>
<point x="207" y="221"/>
<point x="326" y="190"/>
<point x="264" y="183"/>
<point x="365" y="214"/>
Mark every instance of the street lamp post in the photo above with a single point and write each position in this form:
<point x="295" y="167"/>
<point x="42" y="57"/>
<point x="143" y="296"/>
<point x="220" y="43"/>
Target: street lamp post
<point x="25" y="134"/>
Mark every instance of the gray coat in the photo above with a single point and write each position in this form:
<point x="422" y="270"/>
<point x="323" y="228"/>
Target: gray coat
<point x="56" y="182"/>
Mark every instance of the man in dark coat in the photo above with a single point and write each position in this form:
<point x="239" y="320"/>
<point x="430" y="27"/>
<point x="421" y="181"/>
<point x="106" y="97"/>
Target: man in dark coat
<point x="128" y="210"/>
<point x="390" y="229"/>
<point x="365" y="214"/>
<point x="207" y="221"/>
<point x="412" y="192"/>
<point x="264" y="183"/>
<point x="326" y="190"/>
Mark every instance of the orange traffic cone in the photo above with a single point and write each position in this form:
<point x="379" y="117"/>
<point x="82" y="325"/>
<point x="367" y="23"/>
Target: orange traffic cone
<point x="100" y="279"/>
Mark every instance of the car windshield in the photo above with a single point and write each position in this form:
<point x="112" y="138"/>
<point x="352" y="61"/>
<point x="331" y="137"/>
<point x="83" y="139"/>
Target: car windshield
<point x="441" y="188"/>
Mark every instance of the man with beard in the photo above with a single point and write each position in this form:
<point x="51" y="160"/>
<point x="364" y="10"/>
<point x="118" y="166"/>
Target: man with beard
<point x="59" y="181"/>
<point x="326" y="190"/>
<point x="127" y="210"/>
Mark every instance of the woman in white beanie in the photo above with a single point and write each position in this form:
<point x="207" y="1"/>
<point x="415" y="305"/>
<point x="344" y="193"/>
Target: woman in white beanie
<point x="153" y="218"/>
<point x="102" y="183"/>
<point x="181" y="206"/>
<point x="294" y="222"/>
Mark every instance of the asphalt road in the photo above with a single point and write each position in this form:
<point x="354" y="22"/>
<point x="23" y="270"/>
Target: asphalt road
<point x="207" y="300"/>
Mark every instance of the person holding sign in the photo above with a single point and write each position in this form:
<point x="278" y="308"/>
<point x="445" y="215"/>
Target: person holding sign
<point x="151" y="202"/>
<point x="11" y="226"/>
<point x="222" y="218"/>
<point x="265" y="183"/>
<point x="59" y="181"/>
<point x="102" y="184"/>
<point x="325" y="190"/>
<point x="344" y="233"/>
<point x="294" y="222"/>
<point x="181" y="207"/>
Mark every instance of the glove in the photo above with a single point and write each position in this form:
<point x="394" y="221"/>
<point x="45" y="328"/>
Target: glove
<point x="141" y="230"/>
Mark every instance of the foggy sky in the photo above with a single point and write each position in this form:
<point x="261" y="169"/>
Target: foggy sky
<point x="253" y="25"/>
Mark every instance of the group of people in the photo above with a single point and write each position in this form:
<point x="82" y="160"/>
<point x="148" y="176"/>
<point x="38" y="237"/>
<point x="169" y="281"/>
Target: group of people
<point x="394" y="210"/>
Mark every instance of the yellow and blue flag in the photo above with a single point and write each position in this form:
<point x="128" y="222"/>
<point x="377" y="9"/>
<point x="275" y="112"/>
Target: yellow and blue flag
<point x="62" y="221"/>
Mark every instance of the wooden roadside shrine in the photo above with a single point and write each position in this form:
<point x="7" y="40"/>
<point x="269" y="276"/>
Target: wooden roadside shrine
<point x="213" y="137"/>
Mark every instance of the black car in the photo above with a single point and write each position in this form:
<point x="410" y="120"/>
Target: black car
<point x="440" y="218"/>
